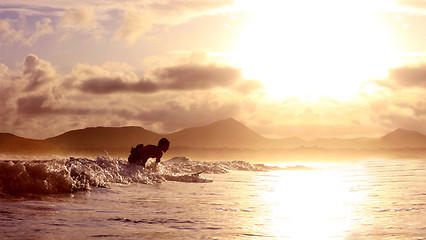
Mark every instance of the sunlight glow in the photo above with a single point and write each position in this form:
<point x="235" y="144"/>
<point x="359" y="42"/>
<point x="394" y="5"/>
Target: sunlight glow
<point x="311" y="49"/>
<point x="310" y="204"/>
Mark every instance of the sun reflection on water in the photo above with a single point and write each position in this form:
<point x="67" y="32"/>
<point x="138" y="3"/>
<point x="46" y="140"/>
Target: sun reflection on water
<point x="310" y="204"/>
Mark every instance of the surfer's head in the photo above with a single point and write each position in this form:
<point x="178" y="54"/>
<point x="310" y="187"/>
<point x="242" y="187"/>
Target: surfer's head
<point x="164" y="144"/>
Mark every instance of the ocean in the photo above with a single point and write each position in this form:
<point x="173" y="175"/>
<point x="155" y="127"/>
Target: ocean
<point x="106" y="198"/>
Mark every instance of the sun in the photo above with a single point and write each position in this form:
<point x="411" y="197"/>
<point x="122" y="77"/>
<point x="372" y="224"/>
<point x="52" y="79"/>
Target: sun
<point x="311" y="49"/>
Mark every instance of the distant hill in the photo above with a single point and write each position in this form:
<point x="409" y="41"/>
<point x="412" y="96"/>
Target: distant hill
<point x="218" y="136"/>
<point x="228" y="133"/>
<point x="399" y="138"/>
<point x="10" y="143"/>
<point x="404" y="138"/>
<point x="224" y="133"/>
<point x="104" y="137"/>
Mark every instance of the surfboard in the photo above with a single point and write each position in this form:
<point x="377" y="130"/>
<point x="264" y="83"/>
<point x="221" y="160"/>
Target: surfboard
<point x="198" y="173"/>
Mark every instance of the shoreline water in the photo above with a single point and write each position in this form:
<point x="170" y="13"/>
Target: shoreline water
<point x="369" y="199"/>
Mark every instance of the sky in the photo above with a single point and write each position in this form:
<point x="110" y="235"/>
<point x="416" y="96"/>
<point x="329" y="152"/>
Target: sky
<point x="307" y="68"/>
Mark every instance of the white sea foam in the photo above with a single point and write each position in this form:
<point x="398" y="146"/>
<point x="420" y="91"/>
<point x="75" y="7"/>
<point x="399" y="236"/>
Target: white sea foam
<point x="74" y="174"/>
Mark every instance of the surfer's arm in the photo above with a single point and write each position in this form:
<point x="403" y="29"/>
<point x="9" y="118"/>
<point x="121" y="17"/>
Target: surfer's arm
<point x="159" y="155"/>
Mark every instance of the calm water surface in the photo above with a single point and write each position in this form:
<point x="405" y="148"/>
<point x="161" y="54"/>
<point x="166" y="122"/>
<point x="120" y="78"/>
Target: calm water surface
<point x="371" y="199"/>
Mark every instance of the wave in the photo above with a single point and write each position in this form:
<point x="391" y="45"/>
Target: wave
<point x="80" y="174"/>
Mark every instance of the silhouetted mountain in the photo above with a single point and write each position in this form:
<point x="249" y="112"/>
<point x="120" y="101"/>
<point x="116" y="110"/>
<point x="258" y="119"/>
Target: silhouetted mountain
<point x="228" y="133"/>
<point x="104" y="137"/>
<point x="404" y="138"/>
<point x="224" y="133"/>
<point x="10" y="143"/>
<point x="9" y="138"/>
<point x="399" y="138"/>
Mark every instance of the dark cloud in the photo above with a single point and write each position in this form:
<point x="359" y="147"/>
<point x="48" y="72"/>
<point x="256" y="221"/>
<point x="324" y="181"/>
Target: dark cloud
<point x="31" y="105"/>
<point x="112" y="85"/>
<point x="403" y="77"/>
<point x="176" y="78"/>
<point x="190" y="77"/>
<point x="37" y="72"/>
<point x="36" y="105"/>
<point x="409" y="76"/>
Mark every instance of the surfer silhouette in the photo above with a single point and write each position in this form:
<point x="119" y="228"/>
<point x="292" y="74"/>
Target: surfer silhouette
<point x="141" y="154"/>
<point x="135" y="154"/>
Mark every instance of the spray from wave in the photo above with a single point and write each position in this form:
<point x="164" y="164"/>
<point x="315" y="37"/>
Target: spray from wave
<point x="76" y="174"/>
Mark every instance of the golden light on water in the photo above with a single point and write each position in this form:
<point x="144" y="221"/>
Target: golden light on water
<point x="310" y="204"/>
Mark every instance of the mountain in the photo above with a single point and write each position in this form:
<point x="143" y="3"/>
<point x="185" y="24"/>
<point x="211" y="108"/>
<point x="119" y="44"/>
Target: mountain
<point x="104" y="137"/>
<point x="221" y="136"/>
<point x="227" y="133"/>
<point x="399" y="138"/>
<point x="10" y="143"/>
<point x="404" y="138"/>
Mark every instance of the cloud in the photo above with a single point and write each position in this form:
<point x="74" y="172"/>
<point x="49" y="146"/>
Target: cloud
<point x="112" y="85"/>
<point x="7" y="33"/>
<point x="402" y="102"/>
<point x="139" y="20"/>
<point x="420" y="108"/>
<point x="136" y="18"/>
<point x="83" y="18"/>
<point x="248" y="86"/>
<point x="191" y="5"/>
<point x="183" y="95"/>
<point x="173" y="115"/>
<point x="32" y="105"/>
<point x="27" y="35"/>
<point x="184" y="77"/>
<point x="38" y="105"/>
<point x="99" y="80"/>
<point x="402" y="78"/>
<point x="38" y="96"/>
<point x="409" y="76"/>
<point x="37" y="72"/>
<point x="134" y="24"/>
<point x="397" y="120"/>
<point x="42" y="27"/>
<point x="7" y="90"/>
<point x="191" y="77"/>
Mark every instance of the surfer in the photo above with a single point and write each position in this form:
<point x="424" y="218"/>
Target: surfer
<point x="149" y="151"/>
<point x="135" y="154"/>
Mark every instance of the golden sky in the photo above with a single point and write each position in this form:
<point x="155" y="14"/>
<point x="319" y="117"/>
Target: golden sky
<point x="307" y="68"/>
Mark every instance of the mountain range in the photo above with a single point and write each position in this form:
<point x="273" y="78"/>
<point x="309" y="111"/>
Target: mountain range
<point x="223" y="134"/>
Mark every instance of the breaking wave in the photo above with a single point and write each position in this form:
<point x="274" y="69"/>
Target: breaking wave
<point x="76" y="174"/>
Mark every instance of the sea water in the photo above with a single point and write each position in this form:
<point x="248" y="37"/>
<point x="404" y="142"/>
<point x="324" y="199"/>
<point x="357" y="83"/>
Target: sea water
<point x="106" y="198"/>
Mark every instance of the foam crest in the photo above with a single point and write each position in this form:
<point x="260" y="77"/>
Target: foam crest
<point x="74" y="174"/>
